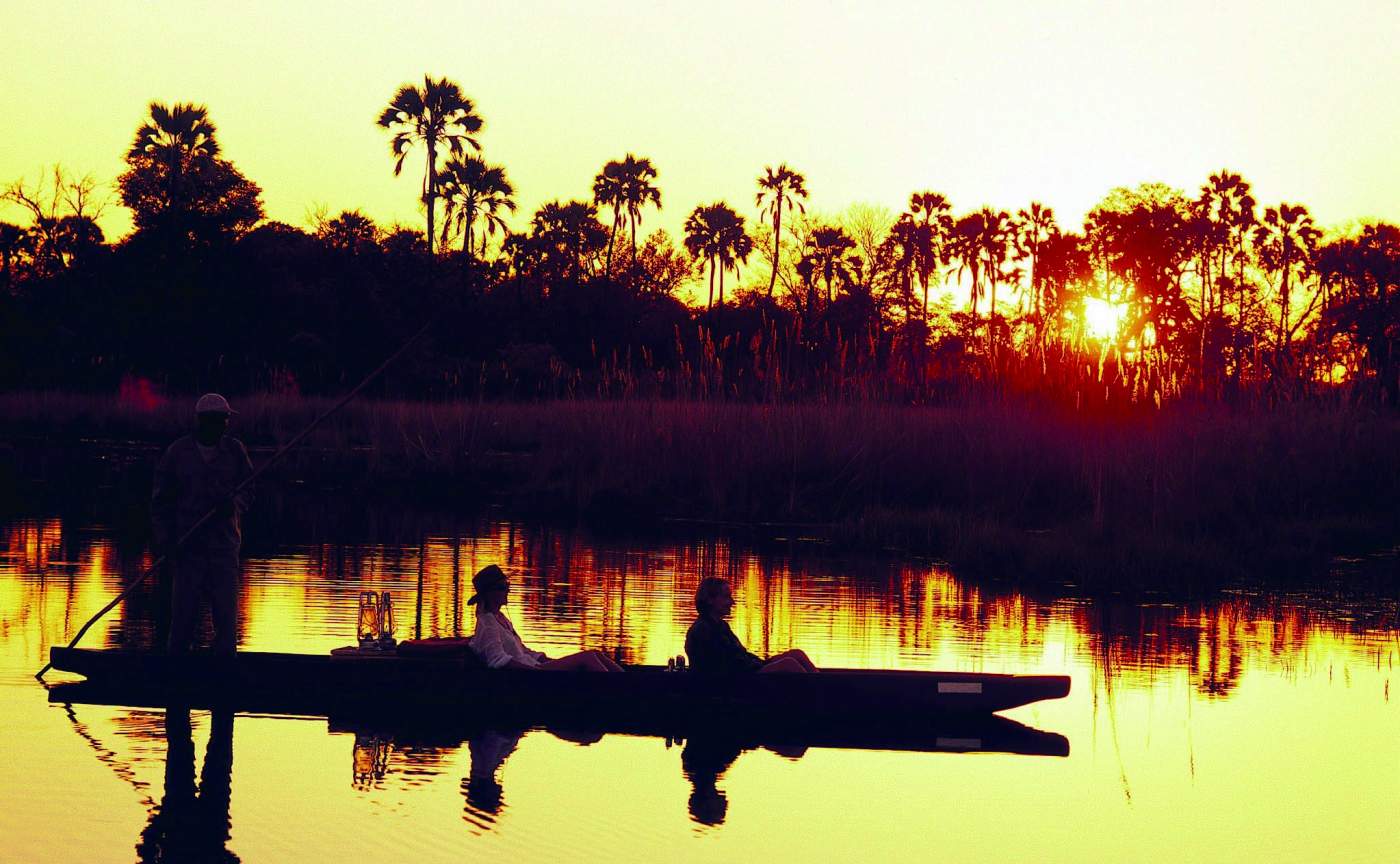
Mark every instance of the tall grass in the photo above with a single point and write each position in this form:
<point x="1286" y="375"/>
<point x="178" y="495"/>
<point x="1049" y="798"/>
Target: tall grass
<point x="1005" y="487"/>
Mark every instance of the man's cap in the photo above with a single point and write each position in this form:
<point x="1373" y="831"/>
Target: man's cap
<point x="212" y="403"/>
<point x="487" y="578"/>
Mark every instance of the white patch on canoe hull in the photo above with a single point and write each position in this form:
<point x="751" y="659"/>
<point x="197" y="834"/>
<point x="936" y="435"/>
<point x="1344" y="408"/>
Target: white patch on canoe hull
<point x="959" y="743"/>
<point x="959" y="687"/>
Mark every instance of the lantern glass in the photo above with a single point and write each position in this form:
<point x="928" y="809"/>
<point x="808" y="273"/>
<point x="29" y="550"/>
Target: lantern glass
<point x="386" y="619"/>
<point x="368" y="625"/>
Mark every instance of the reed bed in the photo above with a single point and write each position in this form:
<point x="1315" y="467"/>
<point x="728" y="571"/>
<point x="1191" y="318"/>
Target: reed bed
<point x="1004" y="487"/>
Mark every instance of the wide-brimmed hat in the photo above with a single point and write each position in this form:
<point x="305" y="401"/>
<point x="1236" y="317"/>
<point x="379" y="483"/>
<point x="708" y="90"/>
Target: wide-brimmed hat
<point x="486" y="579"/>
<point x="213" y="403"/>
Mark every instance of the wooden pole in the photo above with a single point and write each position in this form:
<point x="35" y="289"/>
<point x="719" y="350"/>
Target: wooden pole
<point x="258" y="472"/>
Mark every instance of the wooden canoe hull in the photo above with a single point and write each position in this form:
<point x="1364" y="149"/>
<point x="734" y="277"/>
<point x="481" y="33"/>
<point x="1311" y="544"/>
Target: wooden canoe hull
<point x="418" y="726"/>
<point x="313" y="682"/>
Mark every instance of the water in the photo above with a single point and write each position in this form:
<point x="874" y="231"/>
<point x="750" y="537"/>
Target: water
<point x="1247" y="726"/>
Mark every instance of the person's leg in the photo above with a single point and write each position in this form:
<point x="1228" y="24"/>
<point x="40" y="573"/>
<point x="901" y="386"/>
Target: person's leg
<point x="782" y="664"/>
<point x="801" y="657"/>
<point x="221" y="581"/>
<point x="184" y="604"/>
<point x="583" y="661"/>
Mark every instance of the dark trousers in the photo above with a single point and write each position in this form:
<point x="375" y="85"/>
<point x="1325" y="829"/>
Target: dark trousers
<point x="212" y="576"/>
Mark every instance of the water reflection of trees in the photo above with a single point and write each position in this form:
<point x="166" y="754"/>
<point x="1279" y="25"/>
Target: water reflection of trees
<point x="635" y="601"/>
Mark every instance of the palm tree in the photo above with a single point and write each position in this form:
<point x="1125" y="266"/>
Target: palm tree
<point x="1031" y="230"/>
<point x="715" y="233"/>
<point x="436" y="115"/>
<point x="931" y="215"/>
<point x="626" y="186"/>
<point x="992" y="243"/>
<point x="829" y="251"/>
<point x="474" y="190"/>
<point x="1286" y="239"/>
<point x="176" y="137"/>
<point x="965" y="246"/>
<point x="571" y="232"/>
<point x="897" y="251"/>
<point x="776" y="189"/>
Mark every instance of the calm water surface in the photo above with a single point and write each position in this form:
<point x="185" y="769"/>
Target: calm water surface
<point x="1250" y="726"/>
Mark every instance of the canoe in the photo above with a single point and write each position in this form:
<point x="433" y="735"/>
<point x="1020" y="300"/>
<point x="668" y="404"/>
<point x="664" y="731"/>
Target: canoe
<point x="316" y="684"/>
<point x="435" y="728"/>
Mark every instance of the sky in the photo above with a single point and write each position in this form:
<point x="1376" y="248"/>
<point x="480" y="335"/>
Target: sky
<point x="996" y="103"/>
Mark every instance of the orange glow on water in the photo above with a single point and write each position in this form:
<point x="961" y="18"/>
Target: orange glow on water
<point x="1179" y="711"/>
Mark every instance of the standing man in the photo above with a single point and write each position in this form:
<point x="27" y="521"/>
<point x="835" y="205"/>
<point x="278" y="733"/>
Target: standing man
<point x="197" y="474"/>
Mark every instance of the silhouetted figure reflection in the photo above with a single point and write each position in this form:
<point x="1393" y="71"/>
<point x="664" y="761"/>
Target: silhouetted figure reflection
<point x="704" y="761"/>
<point x="489" y="751"/>
<point x="192" y="824"/>
<point x="706" y="757"/>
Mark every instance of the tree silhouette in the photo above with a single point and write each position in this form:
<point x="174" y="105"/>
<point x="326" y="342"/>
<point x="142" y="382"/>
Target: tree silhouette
<point x="14" y="242"/>
<point x="1286" y="240"/>
<point x="626" y="186"/>
<point x="715" y="233"/>
<point x="829" y="250"/>
<point x="176" y="138"/>
<point x="474" y="191"/>
<point x="777" y="189"/>
<point x="966" y="246"/>
<point x="567" y="237"/>
<point x="1365" y="274"/>
<point x="436" y="115"/>
<point x="351" y="232"/>
<point x="930" y="214"/>
<point x="1032" y="228"/>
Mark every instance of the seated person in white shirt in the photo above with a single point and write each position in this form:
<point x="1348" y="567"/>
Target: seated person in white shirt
<point x="499" y="646"/>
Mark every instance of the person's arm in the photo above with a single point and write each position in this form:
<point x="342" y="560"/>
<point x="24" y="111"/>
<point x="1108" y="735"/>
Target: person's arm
<point x="243" y="499"/>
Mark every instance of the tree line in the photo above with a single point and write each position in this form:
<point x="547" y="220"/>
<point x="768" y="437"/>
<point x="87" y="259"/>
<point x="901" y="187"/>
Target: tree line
<point x="1160" y="295"/>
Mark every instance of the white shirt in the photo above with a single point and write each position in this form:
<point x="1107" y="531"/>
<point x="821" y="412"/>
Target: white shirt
<point x="496" y="642"/>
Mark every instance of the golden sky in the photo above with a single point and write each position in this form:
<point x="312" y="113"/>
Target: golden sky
<point x="996" y="102"/>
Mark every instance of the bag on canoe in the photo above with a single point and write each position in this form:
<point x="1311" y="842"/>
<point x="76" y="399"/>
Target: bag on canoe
<point x="446" y="647"/>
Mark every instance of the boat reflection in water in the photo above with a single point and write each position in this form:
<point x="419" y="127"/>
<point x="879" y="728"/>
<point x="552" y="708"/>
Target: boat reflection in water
<point x="707" y="751"/>
<point x="192" y="823"/>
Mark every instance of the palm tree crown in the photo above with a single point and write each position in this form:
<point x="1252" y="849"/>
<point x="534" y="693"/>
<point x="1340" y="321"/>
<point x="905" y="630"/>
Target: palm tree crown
<point x="779" y="188"/>
<point x="474" y="191"/>
<point x="436" y="115"/>
<point x="715" y="233"/>
<point x="626" y="186"/>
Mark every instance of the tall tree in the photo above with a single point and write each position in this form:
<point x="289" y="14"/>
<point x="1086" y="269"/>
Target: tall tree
<point x="966" y="247"/>
<point x="1286" y="239"/>
<point x="626" y="186"/>
<point x="1364" y="273"/>
<point x="830" y="251"/>
<point x="567" y="238"/>
<point x="1032" y="228"/>
<point x="779" y="188"/>
<point x="474" y="191"/>
<point x="178" y="138"/>
<point x="437" y="115"/>
<point x="931" y="214"/>
<point x="993" y="244"/>
<point x="715" y="233"/>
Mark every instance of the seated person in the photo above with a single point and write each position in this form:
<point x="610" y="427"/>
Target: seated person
<point x="714" y="649"/>
<point x="497" y="643"/>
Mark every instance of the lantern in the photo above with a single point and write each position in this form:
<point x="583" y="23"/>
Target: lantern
<point x="386" y="620"/>
<point x="368" y="623"/>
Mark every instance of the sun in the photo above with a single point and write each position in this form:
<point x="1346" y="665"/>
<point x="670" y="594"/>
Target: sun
<point x="1102" y="319"/>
